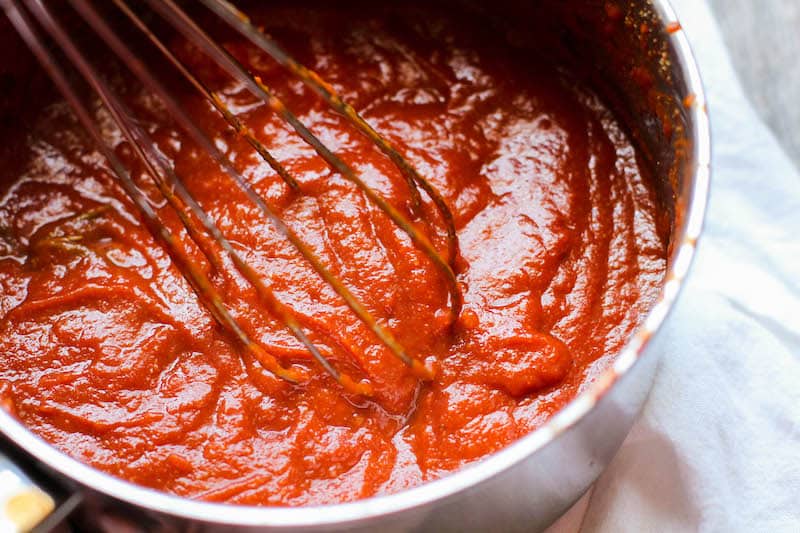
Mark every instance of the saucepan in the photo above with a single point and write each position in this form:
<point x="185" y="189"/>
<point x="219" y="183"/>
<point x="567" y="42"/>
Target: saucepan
<point x="636" y="54"/>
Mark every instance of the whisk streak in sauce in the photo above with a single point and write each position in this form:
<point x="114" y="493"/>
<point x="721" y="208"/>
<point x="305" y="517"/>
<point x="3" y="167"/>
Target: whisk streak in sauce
<point x="107" y="353"/>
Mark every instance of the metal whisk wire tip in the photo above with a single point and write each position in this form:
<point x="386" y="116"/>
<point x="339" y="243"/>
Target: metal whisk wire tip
<point x="197" y="223"/>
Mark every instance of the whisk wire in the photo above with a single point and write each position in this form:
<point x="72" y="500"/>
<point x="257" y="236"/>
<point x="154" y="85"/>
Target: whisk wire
<point x="142" y="72"/>
<point x="239" y="21"/>
<point x="191" y="31"/>
<point x="232" y="120"/>
<point x="148" y="152"/>
<point x="193" y="273"/>
<point x="186" y="206"/>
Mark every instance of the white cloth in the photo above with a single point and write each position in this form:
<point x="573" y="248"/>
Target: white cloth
<point x="717" y="447"/>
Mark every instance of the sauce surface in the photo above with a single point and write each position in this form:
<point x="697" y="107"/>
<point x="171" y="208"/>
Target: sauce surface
<point x="106" y="352"/>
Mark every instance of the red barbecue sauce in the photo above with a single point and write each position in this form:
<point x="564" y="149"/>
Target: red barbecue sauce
<point x="107" y="354"/>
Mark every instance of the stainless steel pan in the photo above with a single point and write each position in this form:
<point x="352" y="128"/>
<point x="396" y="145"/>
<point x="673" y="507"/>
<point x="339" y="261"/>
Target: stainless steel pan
<point x="637" y="54"/>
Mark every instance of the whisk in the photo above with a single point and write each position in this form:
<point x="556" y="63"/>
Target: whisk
<point x="31" y="17"/>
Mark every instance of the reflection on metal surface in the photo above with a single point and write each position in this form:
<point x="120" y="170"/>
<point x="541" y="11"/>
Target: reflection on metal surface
<point x="22" y="503"/>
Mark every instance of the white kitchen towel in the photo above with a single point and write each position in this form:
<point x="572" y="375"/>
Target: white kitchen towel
<point x="717" y="447"/>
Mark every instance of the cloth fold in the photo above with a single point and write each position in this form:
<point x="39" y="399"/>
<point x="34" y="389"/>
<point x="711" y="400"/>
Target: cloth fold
<point x="717" y="447"/>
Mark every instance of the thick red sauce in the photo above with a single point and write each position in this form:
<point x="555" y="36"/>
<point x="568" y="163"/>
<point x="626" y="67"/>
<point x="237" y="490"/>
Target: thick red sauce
<point x="106" y="352"/>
